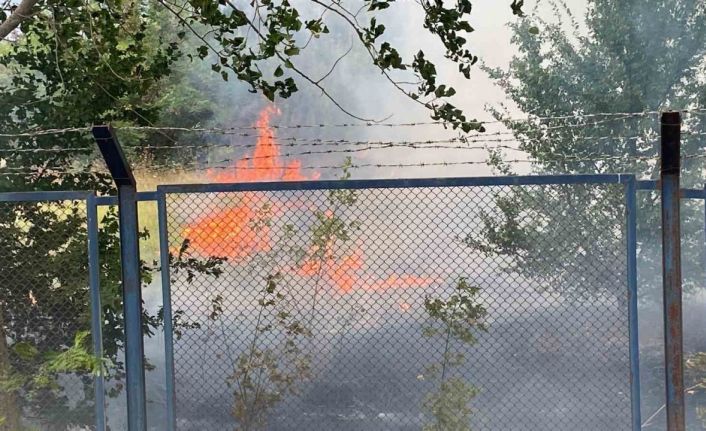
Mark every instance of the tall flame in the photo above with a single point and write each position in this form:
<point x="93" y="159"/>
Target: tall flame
<point x="241" y="231"/>
<point x="265" y="163"/>
<point x="233" y="232"/>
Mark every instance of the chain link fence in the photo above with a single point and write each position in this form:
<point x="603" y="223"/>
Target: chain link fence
<point x="440" y="308"/>
<point x="47" y="365"/>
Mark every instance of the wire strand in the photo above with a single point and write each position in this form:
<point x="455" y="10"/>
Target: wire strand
<point x="293" y="141"/>
<point x="351" y="166"/>
<point x="228" y="130"/>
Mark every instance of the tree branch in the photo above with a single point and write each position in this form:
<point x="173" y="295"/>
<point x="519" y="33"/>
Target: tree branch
<point x="334" y="65"/>
<point x="353" y="24"/>
<point x="304" y="75"/>
<point x="23" y="11"/>
<point x="186" y="23"/>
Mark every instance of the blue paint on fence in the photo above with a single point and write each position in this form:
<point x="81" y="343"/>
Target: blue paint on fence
<point x="141" y="197"/>
<point x="631" y="239"/>
<point x="398" y="183"/>
<point x="167" y="309"/>
<point x="96" y="309"/>
<point x="133" y="330"/>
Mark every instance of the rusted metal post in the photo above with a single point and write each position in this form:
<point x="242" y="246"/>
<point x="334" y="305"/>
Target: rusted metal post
<point x="671" y="270"/>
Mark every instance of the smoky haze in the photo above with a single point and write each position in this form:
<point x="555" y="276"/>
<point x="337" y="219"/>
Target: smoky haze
<point x="365" y="383"/>
<point x="546" y="361"/>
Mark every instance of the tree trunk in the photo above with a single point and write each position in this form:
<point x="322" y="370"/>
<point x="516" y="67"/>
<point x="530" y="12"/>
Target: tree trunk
<point x="23" y="11"/>
<point x="9" y="407"/>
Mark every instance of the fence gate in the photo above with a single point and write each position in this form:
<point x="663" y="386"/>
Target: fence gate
<point x="401" y="304"/>
<point x="50" y="312"/>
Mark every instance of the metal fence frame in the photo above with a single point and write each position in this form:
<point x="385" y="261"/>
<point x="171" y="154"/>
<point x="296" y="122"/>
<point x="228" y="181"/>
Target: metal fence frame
<point x="672" y="300"/>
<point x="628" y="180"/>
<point x="631" y="187"/>
<point x="90" y="200"/>
<point x="92" y="203"/>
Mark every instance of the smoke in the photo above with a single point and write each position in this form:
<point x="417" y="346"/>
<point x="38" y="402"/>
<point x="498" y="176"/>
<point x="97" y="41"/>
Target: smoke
<point x="516" y="352"/>
<point x="370" y="367"/>
<point x="361" y="89"/>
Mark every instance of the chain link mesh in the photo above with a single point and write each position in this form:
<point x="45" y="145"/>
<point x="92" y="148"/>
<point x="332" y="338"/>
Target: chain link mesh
<point x="46" y="359"/>
<point x="378" y="309"/>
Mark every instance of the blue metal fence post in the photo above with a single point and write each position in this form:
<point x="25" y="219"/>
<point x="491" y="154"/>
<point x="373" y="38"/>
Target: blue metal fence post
<point x="130" y="263"/>
<point x="96" y="309"/>
<point x="631" y="239"/>
<point x="167" y="310"/>
<point x="671" y="270"/>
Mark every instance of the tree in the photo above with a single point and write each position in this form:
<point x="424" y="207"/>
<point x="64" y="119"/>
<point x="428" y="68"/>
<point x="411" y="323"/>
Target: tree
<point x="290" y="327"/>
<point x="626" y="57"/>
<point x="259" y="44"/>
<point x="633" y="57"/>
<point x="455" y="320"/>
<point x="20" y="13"/>
<point x="70" y="64"/>
<point x="55" y="73"/>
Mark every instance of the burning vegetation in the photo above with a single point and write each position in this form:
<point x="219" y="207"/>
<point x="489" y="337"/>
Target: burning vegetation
<point x="265" y="163"/>
<point x="241" y="231"/>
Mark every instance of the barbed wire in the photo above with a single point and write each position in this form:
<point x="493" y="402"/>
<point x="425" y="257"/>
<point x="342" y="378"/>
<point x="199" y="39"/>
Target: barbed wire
<point x="414" y="145"/>
<point x="351" y="166"/>
<point x="350" y="151"/>
<point x="411" y="146"/>
<point x="286" y="168"/>
<point x="293" y="141"/>
<point x="229" y="130"/>
<point x="586" y="157"/>
<point x="591" y="157"/>
<point x="43" y="132"/>
<point x="622" y="115"/>
<point x="364" y="146"/>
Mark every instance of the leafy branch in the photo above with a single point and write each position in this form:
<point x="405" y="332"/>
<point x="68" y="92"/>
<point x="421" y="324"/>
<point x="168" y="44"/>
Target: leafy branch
<point x="456" y="319"/>
<point x="278" y="27"/>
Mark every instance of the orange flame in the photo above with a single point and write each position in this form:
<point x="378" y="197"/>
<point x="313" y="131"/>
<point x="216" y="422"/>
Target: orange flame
<point x="343" y="273"/>
<point x="238" y="232"/>
<point x="347" y="273"/>
<point x="265" y="163"/>
<point x="230" y="233"/>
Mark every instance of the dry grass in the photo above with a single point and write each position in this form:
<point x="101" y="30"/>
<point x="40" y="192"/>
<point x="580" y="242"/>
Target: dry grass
<point x="148" y="181"/>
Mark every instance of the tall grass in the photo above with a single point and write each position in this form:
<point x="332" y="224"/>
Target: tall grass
<point x="148" y="181"/>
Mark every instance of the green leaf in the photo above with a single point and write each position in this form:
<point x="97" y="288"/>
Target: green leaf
<point x="123" y="45"/>
<point x="279" y="72"/>
<point x="533" y="30"/>
<point x="465" y="26"/>
<point x="25" y="350"/>
<point x="379" y="4"/>
<point x="202" y="51"/>
<point x="516" y="7"/>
